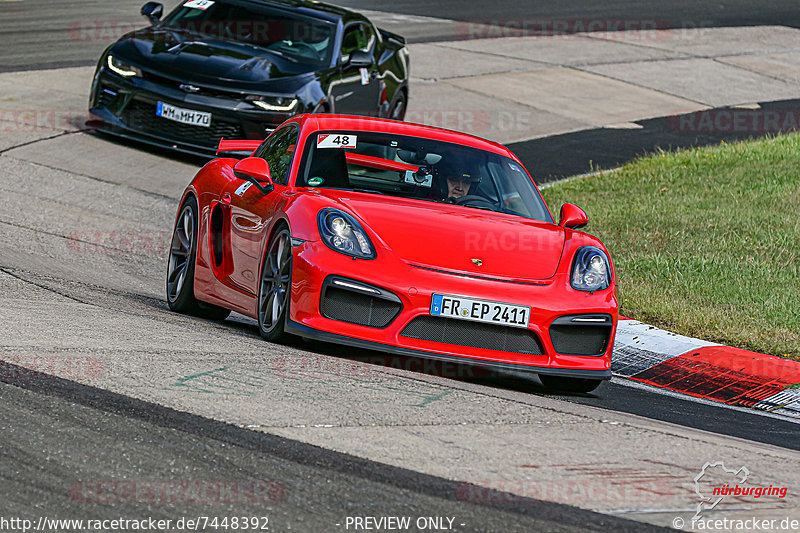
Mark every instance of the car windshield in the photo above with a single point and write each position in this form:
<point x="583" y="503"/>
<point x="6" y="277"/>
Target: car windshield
<point x="296" y="38"/>
<point x="423" y="169"/>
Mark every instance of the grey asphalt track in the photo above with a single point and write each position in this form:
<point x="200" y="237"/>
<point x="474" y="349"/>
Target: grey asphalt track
<point x="104" y="437"/>
<point x="570" y="154"/>
<point x="674" y="14"/>
<point x="59" y="33"/>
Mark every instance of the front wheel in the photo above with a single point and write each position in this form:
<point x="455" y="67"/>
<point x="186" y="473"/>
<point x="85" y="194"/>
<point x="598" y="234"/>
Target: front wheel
<point x="274" y="292"/>
<point x="562" y="384"/>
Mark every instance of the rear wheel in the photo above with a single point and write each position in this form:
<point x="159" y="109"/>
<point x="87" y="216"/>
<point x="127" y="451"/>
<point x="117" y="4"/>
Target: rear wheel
<point x="274" y="292"/>
<point x="180" y="269"/>
<point x="562" y="384"/>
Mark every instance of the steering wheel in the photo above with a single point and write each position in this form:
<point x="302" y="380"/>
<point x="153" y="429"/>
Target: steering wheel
<point x="474" y="200"/>
<point x="303" y="45"/>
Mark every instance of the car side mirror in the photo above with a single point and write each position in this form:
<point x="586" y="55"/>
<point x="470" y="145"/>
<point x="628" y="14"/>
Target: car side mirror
<point x="153" y="11"/>
<point x="573" y="217"/>
<point x="360" y="58"/>
<point x="256" y="171"/>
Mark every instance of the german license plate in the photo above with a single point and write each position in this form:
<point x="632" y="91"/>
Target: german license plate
<point x="184" y="116"/>
<point x="480" y="310"/>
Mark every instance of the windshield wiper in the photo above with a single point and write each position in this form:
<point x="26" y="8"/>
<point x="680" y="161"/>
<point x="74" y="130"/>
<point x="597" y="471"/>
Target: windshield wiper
<point x="367" y="191"/>
<point x="281" y="54"/>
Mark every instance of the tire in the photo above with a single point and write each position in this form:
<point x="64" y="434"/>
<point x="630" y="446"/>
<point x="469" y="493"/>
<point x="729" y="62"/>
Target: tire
<point x="398" y="110"/>
<point x="274" y="290"/>
<point x="180" y="267"/>
<point x="562" y="384"/>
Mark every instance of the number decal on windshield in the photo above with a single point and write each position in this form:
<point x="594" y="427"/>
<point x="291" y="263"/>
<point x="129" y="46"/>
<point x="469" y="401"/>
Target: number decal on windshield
<point x="199" y="4"/>
<point x="336" y="140"/>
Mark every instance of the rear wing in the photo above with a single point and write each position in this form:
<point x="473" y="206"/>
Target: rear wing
<point x="237" y="148"/>
<point x="389" y="36"/>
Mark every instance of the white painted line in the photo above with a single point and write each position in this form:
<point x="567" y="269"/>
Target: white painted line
<point x="639" y="346"/>
<point x="786" y="402"/>
<point x="578" y="177"/>
<point x="638" y="334"/>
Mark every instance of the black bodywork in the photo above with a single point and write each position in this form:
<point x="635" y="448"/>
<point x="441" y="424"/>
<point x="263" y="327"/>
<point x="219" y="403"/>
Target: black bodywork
<point x="222" y="67"/>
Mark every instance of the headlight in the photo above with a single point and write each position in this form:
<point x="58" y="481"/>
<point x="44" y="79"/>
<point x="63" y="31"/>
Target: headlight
<point x="273" y="104"/>
<point x="122" y="68"/>
<point x="590" y="270"/>
<point x="343" y="233"/>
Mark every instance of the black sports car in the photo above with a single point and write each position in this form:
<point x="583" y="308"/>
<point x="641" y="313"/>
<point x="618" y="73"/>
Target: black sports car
<point x="239" y="68"/>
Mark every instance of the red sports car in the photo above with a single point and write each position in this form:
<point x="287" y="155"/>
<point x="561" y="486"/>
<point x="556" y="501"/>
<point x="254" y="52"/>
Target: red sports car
<point x="397" y="237"/>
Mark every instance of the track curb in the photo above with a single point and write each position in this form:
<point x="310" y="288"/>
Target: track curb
<point x="706" y="370"/>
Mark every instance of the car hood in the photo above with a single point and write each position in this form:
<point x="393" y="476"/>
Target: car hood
<point x="462" y="239"/>
<point x="192" y="58"/>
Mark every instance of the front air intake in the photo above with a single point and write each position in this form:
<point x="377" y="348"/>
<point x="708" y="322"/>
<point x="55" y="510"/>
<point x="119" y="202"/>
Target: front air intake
<point x="581" y="334"/>
<point x="358" y="303"/>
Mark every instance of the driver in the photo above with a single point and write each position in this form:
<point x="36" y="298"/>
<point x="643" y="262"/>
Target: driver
<point x="454" y="182"/>
<point x="458" y="186"/>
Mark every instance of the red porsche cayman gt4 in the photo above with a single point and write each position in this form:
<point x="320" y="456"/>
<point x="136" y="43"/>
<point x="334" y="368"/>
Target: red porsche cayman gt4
<point x="396" y="237"/>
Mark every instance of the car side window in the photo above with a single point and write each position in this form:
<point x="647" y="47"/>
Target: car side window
<point x="356" y="37"/>
<point x="278" y="152"/>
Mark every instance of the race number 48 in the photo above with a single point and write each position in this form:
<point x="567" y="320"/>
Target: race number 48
<point x="336" y="140"/>
<point x="199" y="4"/>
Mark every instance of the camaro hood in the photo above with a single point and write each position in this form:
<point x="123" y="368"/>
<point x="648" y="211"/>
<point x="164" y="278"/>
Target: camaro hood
<point x="204" y="60"/>
<point x="455" y="238"/>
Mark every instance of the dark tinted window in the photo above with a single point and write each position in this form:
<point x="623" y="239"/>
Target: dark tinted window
<point x="356" y="37"/>
<point x="424" y="169"/>
<point x="298" y="39"/>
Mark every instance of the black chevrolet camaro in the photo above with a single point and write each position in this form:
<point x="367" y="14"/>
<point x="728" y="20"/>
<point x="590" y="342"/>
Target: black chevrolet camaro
<point x="239" y="68"/>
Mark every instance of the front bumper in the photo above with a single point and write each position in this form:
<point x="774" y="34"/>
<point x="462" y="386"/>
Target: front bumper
<point x="126" y="108"/>
<point x="550" y="301"/>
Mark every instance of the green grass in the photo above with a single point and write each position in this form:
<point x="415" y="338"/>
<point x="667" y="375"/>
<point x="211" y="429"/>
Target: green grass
<point x="705" y="242"/>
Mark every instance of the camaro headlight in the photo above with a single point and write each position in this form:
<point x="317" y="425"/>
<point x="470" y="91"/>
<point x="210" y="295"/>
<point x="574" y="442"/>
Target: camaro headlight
<point x="590" y="270"/>
<point x="273" y="103"/>
<point x="342" y="233"/>
<point x="122" y="68"/>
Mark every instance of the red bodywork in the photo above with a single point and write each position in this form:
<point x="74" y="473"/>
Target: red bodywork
<point x="422" y="248"/>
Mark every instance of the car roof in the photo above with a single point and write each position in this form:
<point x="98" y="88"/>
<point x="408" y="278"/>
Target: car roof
<point x="321" y="122"/>
<point x="319" y="9"/>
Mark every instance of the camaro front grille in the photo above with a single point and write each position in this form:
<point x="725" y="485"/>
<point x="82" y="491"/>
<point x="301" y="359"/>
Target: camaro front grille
<point x="106" y="97"/>
<point x="473" y="334"/>
<point x="142" y="116"/>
